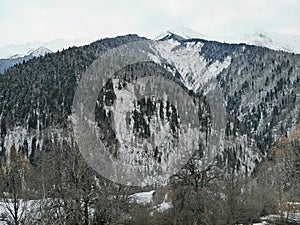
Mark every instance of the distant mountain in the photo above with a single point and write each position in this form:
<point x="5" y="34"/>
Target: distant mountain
<point x="15" y="59"/>
<point x="287" y="43"/>
<point x="40" y="51"/>
<point x="55" y="45"/>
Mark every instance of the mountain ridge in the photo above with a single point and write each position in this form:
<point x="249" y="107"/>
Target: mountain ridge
<point x="274" y="41"/>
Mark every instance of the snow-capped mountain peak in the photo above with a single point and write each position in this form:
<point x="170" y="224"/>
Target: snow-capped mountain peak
<point x="41" y="51"/>
<point x="34" y="52"/>
<point x="180" y="33"/>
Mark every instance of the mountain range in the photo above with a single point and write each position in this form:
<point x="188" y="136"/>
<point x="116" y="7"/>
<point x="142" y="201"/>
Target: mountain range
<point x="13" y="54"/>
<point x="260" y="88"/>
<point x="18" y="58"/>
<point x="54" y="46"/>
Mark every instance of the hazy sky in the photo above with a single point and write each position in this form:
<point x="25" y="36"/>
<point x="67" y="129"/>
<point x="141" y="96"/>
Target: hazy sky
<point x="44" y="20"/>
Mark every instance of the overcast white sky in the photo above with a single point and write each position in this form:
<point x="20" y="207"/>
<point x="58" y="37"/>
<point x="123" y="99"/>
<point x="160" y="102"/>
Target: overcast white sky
<point x="44" y="20"/>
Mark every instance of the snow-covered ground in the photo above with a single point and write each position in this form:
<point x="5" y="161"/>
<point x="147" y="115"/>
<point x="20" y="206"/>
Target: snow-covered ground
<point x="164" y="206"/>
<point x="32" y="208"/>
<point x="143" y="198"/>
<point x="293" y="216"/>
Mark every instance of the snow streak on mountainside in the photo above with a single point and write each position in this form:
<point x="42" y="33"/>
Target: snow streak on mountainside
<point x="186" y="59"/>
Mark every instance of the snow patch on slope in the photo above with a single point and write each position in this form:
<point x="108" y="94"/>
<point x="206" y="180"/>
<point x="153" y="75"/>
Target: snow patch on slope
<point x="164" y="206"/>
<point x="35" y="139"/>
<point x="195" y="70"/>
<point x="145" y="198"/>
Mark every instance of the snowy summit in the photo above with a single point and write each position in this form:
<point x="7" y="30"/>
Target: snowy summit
<point x="41" y="51"/>
<point x="181" y="33"/>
